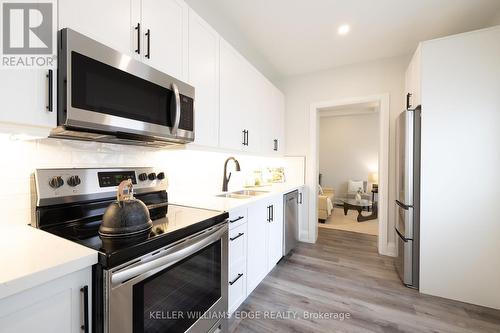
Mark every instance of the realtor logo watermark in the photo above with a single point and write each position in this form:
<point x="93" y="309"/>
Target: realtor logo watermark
<point x="28" y="34"/>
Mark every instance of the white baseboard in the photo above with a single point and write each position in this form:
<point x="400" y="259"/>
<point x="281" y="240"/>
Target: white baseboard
<point x="388" y="250"/>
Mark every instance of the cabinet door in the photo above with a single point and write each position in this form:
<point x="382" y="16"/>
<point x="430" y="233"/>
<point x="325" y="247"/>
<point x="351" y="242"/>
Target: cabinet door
<point x="257" y="244"/>
<point x="275" y="233"/>
<point x="52" y="307"/>
<point x="279" y="121"/>
<point x="273" y="121"/>
<point x="204" y="76"/>
<point x="303" y="209"/>
<point x="25" y="99"/>
<point x="237" y="267"/>
<point x="232" y="98"/>
<point x="108" y="22"/>
<point x="255" y="101"/>
<point x="165" y="24"/>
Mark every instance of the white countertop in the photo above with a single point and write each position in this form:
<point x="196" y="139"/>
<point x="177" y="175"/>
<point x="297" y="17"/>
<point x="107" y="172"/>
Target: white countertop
<point x="211" y="201"/>
<point x="31" y="257"/>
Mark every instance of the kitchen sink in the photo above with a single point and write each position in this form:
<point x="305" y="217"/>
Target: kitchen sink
<point x="243" y="194"/>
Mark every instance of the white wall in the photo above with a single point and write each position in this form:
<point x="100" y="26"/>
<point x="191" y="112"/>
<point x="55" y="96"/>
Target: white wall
<point x="348" y="149"/>
<point x="460" y="215"/>
<point x="377" y="77"/>
<point x="187" y="170"/>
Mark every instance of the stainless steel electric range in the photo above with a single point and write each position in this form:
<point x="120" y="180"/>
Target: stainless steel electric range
<point x="172" y="280"/>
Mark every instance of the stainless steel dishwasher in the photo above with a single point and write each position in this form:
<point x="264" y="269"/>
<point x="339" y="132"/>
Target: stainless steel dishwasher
<point x="291" y="219"/>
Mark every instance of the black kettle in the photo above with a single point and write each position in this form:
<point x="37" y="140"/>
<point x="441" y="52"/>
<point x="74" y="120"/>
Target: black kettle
<point x="127" y="216"/>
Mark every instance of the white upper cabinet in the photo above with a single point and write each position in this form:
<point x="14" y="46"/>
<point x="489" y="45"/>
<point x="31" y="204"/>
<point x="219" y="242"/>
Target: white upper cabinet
<point x="164" y="35"/>
<point x="273" y="122"/>
<point x="26" y="102"/>
<point x="108" y="22"/>
<point x="255" y="104"/>
<point x="251" y="108"/>
<point x="234" y="86"/>
<point x="203" y="69"/>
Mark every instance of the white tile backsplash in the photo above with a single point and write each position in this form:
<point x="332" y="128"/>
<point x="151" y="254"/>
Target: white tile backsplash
<point x="195" y="171"/>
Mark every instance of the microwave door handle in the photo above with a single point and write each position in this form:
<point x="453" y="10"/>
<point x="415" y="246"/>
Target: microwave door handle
<point x="174" y="255"/>
<point x="177" y="107"/>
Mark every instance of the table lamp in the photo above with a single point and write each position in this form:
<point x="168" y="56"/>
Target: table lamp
<point x="373" y="178"/>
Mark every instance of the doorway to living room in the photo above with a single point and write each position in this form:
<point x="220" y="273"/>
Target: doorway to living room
<point x="385" y="241"/>
<point x="348" y="167"/>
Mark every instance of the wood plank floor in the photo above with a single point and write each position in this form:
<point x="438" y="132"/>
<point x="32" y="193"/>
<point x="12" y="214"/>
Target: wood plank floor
<point x="343" y="273"/>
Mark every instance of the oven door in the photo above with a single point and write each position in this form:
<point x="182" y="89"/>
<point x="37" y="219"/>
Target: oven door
<point x="103" y="90"/>
<point x="177" y="289"/>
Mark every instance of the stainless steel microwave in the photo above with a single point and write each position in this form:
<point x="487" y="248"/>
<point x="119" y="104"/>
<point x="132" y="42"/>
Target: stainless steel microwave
<point x="107" y="96"/>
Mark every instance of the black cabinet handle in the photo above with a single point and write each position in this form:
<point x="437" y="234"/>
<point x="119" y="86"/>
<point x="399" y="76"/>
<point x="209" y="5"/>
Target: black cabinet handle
<point x="236" y="279"/>
<point x="50" y="79"/>
<point x="300" y="198"/>
<point x="272" y="212"/>
<point x="236" y="219"/>
<point x="275" y="145"/>
<point x="268" y="214"/>
<point x="148" y="39"/>
<point x="85" y="291"/>
<point x="138" y="28"/>
<point x="244" y="137"/>
<point x="237" y="236"/>
<point x="408" y="104"/>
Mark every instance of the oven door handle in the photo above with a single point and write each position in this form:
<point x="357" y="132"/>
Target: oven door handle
<point x="172" y="255"/>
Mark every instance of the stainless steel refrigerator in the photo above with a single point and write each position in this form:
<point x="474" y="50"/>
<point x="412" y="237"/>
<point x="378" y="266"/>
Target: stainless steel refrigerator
<point x="408" y="196"/>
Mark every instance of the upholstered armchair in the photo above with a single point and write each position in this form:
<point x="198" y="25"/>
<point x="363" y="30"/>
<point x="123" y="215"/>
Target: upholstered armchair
<point x="325" y="203"/>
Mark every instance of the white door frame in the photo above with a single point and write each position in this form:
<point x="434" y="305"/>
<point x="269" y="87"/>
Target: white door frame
<point x="383" y="166"/>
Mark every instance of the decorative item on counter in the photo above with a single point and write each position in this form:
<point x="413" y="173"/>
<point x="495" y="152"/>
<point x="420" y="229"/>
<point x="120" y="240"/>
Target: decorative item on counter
<point x="277" y="175"/>
<point x="257" y="176"/>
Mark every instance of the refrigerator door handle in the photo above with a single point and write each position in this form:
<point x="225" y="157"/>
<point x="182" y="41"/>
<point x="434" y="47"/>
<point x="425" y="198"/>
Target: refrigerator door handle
<point x="402" y="237"/>
<point x="402" y="205"/>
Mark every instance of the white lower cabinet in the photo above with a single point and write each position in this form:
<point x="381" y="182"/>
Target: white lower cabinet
<point x="303" y="209"/>
<point x="275" y="232"/>
<point x="237" y="266"/>
<point x="258" y="214"/>
<point x="56" y="306"/>
<point x="265" y="238"/>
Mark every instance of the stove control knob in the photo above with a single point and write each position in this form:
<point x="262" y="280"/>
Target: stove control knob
<point x="74" y="181"/>
<point x="56" y="182"/>
<point x="161" y="176"/>
<point x="143" y="176"/>
<point x="152" y="176"/>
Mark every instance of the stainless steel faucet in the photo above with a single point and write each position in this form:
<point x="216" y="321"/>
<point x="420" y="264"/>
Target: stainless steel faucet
<point x="225" y="179"/>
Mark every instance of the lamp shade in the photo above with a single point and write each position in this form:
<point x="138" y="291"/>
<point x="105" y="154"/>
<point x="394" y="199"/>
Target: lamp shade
<point x="373" y="177"/>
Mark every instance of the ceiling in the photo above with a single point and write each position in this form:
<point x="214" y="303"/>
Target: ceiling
<point x="293" y="37"/>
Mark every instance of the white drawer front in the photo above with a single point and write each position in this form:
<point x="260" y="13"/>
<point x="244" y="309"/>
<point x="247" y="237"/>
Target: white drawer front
<point x="237" y="217"/>
<point x="237" y="287"/>
<point x="237" y="245"/>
